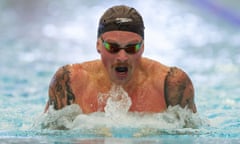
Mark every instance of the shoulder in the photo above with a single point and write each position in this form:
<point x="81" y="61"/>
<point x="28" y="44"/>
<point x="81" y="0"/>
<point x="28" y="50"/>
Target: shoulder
<point x="61" y="86"/>
<point x="65" y="72"/>
<point x="62" y="71"/>
<point x="154" y="66"/>
<point x="177" y="75"/>
<point x="76" y="70"/>
<point x="72" y="72"/>
<point x="179" y="89"/>
<point x="92" y="66"/>
<point x="60" y="92"/>
<point x="66" y="80"/>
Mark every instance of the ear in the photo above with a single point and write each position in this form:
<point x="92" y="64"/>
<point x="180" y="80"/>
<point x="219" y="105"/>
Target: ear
<point x="98" y="46"/>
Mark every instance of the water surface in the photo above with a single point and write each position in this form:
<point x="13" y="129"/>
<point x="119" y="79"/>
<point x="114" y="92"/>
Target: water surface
<point x="37" y="37"/>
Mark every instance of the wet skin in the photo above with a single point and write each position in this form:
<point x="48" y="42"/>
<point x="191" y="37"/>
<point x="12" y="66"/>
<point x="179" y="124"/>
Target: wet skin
<point x="151" y="85"/>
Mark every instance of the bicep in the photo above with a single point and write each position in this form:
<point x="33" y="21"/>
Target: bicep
<point x="179" y="89"/>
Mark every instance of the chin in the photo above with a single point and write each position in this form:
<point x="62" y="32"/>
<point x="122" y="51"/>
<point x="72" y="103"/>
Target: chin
<point x="122" y="81"/>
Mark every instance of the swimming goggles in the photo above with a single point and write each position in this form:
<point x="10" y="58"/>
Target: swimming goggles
<point x="115" y="48"/>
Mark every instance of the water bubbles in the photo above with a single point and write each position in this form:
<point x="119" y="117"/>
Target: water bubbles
<point x="58" y="119"/>
<point x="117" y="116"/>
<point x="118" y="102"/>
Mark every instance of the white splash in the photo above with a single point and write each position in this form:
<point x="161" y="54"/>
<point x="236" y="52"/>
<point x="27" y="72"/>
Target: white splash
<point x="118" y="102"/>
<point x="116" y="115"/>
<point x="58" y="119"/>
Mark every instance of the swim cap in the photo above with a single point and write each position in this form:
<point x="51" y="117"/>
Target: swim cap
<point x="122" y="18"/>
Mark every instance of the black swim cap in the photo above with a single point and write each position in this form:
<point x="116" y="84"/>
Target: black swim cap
<point x="121" y="18"/>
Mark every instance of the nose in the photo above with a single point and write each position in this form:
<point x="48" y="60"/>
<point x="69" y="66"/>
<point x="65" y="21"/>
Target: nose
<point x="122" y="56"/>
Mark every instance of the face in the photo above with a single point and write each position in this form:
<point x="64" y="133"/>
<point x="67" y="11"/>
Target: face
<point x="120" y="52"/>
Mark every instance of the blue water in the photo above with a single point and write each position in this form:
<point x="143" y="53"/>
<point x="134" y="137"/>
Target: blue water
<point x="37" y="37"/>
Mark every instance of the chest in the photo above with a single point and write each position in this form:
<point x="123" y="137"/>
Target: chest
<point x="144" y="99"/>
<point x="147" y="99"/>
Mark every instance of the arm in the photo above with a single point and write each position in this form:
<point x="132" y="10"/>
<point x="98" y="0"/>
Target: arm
<point x="179" y="89"/>
<point x="60" y="92"/>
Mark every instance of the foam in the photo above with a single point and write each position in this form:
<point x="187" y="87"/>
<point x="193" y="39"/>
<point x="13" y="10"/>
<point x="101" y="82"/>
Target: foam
<point x="116" y="116"/>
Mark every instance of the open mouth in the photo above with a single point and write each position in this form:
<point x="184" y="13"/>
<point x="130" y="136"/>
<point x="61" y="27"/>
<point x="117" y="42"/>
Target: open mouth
<point x="121" y="69"/>
<point x="121" y="72"/>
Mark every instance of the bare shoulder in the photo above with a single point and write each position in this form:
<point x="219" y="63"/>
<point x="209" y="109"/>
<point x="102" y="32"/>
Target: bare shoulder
<point x="154" y="66"/>
<point x="60" y="92"/>
<point x="65" y="80"/>
<point x="60" y="88"/>
<point x="179" y="89"/>
<point x="92" y="66"/>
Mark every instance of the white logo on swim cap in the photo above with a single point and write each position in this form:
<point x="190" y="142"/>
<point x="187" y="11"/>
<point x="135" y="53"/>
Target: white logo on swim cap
<point x="123" y="20"/>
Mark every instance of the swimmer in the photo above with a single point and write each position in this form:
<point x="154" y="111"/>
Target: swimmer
<point x="151" y="86"/>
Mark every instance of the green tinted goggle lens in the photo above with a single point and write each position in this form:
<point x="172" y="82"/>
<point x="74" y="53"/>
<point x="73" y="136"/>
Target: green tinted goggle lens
<point x="115" y="48"/>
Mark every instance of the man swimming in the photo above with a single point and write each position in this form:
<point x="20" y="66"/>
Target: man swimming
<point x="150" y="85"/>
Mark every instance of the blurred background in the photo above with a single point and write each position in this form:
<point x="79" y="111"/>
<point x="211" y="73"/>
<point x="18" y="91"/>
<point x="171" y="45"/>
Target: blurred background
<point x="200" y="36"/>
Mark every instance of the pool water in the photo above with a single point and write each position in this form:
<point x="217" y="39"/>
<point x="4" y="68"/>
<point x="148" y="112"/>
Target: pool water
<point x="201" y="37"/>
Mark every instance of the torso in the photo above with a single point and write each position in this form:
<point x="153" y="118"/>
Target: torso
<point x="146" y="93"/>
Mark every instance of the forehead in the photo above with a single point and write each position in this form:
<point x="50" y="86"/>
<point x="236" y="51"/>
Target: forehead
<point x="121" y="36"/>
